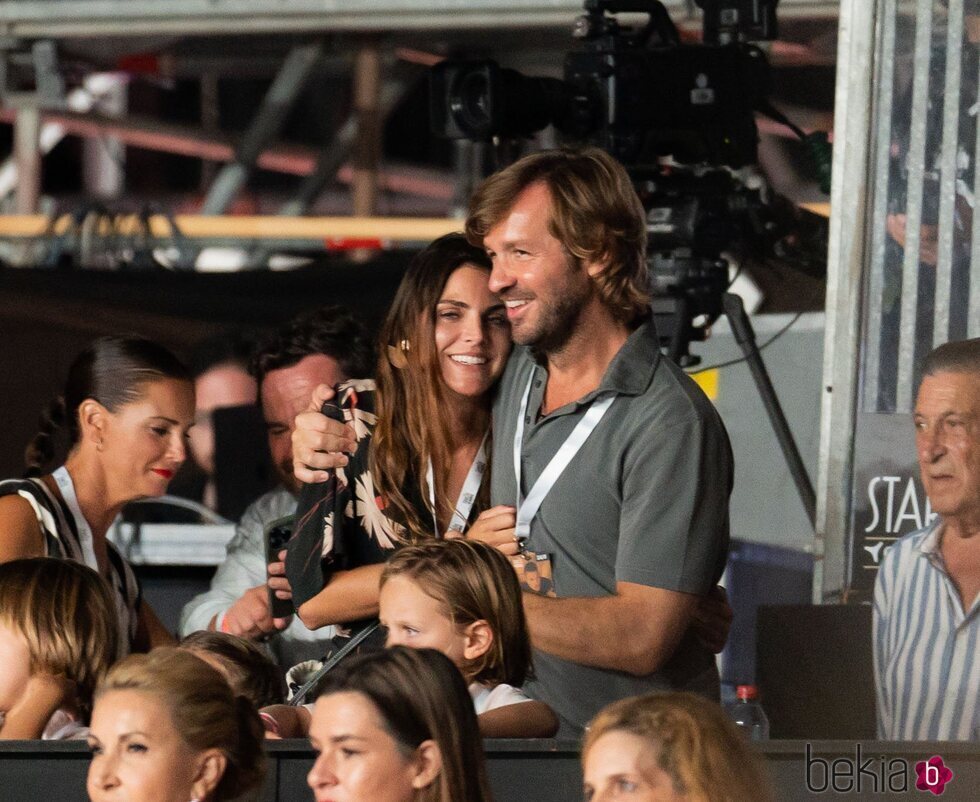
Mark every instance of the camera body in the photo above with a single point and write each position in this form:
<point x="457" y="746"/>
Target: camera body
<point x="639" y="95"/>
<point x="694" y="103"/>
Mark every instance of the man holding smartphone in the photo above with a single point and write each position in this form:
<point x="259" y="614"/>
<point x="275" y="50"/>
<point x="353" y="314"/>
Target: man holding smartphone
<point x="326" y="346"/>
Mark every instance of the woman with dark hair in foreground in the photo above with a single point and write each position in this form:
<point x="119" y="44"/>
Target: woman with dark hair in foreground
<point x="397" y="726"/>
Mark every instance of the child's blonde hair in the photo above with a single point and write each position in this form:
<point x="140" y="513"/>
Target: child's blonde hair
<point x="473" y="582"/>
<point x="66" y="613"/>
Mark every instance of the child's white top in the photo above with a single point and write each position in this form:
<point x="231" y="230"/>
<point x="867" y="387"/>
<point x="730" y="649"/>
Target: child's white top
<point x="486" y="698"/>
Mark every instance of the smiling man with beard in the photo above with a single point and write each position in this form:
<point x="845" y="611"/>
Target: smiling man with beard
<point x="326" y="346"/>
<point x="927" y="594"/>
<point x="636" y="528"/>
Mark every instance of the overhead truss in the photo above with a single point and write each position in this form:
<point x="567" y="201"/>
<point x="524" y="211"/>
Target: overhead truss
<point x="90" y="18"/>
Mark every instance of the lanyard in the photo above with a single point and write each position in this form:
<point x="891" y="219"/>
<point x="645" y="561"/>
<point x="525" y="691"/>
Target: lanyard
<point x="63" y="479"/>
<point x="528" y="507"/>
<point x="467" y="495"/>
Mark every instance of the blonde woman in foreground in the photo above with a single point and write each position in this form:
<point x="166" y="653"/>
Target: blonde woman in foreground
<point x="669" y="747"/>
<point x="166" y="727"/>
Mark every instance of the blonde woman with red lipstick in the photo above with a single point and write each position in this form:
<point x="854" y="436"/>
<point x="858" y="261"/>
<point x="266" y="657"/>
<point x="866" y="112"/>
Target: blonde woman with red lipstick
<point x="127" y="406"/>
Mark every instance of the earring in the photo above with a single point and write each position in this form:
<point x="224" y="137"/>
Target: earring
<point x="99" y="444"/>
<point x="397" y="356"/>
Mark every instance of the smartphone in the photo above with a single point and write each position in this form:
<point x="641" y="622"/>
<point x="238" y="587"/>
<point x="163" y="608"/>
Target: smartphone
<point x="277" y="534"/>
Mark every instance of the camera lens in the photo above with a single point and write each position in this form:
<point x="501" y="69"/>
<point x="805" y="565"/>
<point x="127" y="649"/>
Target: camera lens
<point x="470" y="102"/>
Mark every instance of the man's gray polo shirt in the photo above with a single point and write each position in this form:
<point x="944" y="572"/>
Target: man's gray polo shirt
<point x="644" y="501"/>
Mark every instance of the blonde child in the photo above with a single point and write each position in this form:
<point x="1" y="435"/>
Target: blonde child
<point x="58" y="633"/>
<point x="462" y="598"/>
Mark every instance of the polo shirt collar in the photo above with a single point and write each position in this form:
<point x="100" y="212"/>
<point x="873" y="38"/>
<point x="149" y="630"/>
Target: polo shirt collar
<point x="629" y="373"/>
<point x="632" y="369"/>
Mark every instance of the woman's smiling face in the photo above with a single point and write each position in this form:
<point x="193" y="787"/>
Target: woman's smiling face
<point x="471" y="332"/>
<point x="144" y="442"/>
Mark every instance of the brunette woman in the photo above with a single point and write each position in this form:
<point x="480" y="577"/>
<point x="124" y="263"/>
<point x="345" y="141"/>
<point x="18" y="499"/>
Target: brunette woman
<point x="127" y="406"/>
<point x="419" y="438"/>
<point x="397" y="726"/>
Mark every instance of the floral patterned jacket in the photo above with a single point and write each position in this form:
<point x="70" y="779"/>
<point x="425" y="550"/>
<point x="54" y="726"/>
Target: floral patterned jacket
<point x="340" y="523"/>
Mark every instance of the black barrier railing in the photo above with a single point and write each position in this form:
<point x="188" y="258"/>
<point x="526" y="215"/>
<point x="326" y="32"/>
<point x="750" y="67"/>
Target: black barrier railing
<point x="548" y="771"/>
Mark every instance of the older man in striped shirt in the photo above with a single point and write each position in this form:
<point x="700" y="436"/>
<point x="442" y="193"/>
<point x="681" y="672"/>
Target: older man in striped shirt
<point x="927" y="596"/>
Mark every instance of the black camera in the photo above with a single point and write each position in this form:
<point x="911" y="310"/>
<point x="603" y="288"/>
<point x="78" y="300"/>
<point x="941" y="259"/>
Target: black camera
<point x="639" y="95"/>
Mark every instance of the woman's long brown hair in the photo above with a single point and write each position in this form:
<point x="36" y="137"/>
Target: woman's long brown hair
<point x="412" y="406"/>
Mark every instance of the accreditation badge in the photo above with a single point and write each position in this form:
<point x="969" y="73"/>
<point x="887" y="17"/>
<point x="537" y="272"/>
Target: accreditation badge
<point x="534" y="572"/>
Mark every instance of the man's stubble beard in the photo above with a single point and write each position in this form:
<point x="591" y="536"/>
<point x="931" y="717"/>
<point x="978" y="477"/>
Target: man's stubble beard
<point x="560" y="320"/>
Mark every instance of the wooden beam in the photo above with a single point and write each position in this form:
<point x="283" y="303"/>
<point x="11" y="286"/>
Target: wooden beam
<point x="390" y="229"/>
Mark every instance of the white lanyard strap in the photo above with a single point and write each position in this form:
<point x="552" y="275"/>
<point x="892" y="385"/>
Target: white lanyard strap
<point x="528" y="507"/>
<point x="467" y="496"/>
<point x="63" y="479"/>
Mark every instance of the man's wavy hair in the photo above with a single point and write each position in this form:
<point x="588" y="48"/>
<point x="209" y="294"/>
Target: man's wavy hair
<point x="595" y="214"/>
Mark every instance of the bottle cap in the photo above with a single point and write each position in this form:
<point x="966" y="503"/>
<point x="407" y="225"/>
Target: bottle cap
<point x="747" y="692"/>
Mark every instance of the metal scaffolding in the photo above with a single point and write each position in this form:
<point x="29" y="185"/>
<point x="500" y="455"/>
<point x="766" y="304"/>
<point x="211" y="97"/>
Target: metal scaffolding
<point x="90" y="18"/>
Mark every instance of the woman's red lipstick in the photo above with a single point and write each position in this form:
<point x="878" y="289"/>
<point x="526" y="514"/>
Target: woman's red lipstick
<point x="166" y="474"/>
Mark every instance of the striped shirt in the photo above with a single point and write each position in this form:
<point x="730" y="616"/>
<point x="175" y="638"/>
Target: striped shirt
<point x="927" y="666"/>
<point x="62" y="540"/>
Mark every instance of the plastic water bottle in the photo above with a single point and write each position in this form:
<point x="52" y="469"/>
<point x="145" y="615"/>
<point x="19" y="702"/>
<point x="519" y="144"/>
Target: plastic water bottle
<point x="748" y="715"/>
